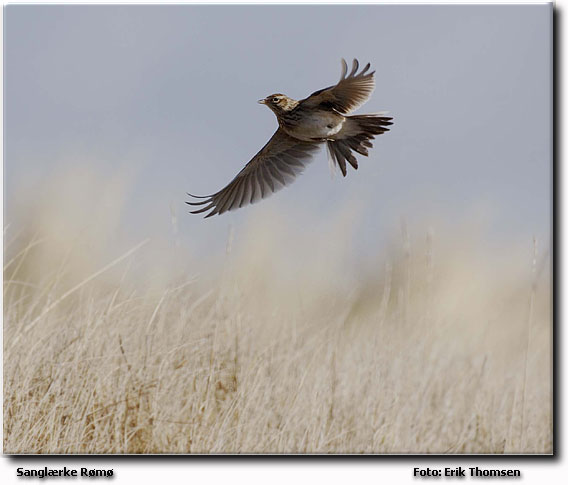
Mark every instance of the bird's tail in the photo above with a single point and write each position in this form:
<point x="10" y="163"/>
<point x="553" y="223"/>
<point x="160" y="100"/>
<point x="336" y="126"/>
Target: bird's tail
<point x="355" y="135"/>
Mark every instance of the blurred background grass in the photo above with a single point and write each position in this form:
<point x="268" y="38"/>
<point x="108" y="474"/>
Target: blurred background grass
<point x="284" y="340"/>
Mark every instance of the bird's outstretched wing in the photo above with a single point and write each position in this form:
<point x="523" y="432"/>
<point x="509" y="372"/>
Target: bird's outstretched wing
<point x="273" y="167"/>
<point x="348" y="94"/>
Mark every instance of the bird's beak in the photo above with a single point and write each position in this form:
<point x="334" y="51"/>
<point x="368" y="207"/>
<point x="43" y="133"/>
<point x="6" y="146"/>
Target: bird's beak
<point x="261" y="101"/>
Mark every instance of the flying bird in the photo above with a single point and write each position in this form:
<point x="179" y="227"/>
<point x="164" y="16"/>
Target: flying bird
<point x="303" y="126"/>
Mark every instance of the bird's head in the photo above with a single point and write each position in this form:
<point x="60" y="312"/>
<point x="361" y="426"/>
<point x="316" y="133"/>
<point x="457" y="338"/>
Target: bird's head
<point x="278" y="102"/>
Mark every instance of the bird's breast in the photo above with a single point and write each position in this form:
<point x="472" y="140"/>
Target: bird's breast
<point x="313" y="125"/>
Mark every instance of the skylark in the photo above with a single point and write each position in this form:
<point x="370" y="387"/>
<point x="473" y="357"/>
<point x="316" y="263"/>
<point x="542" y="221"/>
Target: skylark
<point x="302" y="127"/>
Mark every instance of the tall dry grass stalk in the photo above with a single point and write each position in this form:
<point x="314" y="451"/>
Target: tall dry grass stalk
<point x="423" y="350"/>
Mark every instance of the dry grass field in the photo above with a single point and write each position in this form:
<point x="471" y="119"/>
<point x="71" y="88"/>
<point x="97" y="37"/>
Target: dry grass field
<point x="437" y="345"/>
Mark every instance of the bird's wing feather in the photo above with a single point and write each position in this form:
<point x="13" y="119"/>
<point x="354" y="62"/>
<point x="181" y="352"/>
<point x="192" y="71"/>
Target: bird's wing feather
<point x="276" y="165"/>
<point x="348" y="94"/>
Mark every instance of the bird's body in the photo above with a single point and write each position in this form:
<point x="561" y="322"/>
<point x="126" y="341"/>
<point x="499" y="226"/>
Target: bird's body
<point x="302" y="127"/>
<point x="311" y="124"/>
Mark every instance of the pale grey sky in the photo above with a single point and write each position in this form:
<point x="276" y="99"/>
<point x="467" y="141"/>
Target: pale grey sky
<point x="169" y="92"/>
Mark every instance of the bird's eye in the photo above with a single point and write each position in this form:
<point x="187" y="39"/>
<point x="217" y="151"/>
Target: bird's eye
<point x="275" y="100"/>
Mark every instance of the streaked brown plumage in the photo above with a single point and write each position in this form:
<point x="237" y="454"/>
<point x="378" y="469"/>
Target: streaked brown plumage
<point x="303" y="126"/>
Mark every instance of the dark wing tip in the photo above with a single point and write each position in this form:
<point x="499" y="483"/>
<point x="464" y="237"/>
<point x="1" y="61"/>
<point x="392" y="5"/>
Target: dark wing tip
<point x="343" y="68"/>
<point x="354" y="67"/>
<point x="203" y="209"/>
<point x="201" y="202"/>
<point x="198" y="196"/>
<point x="207" y="202"/>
